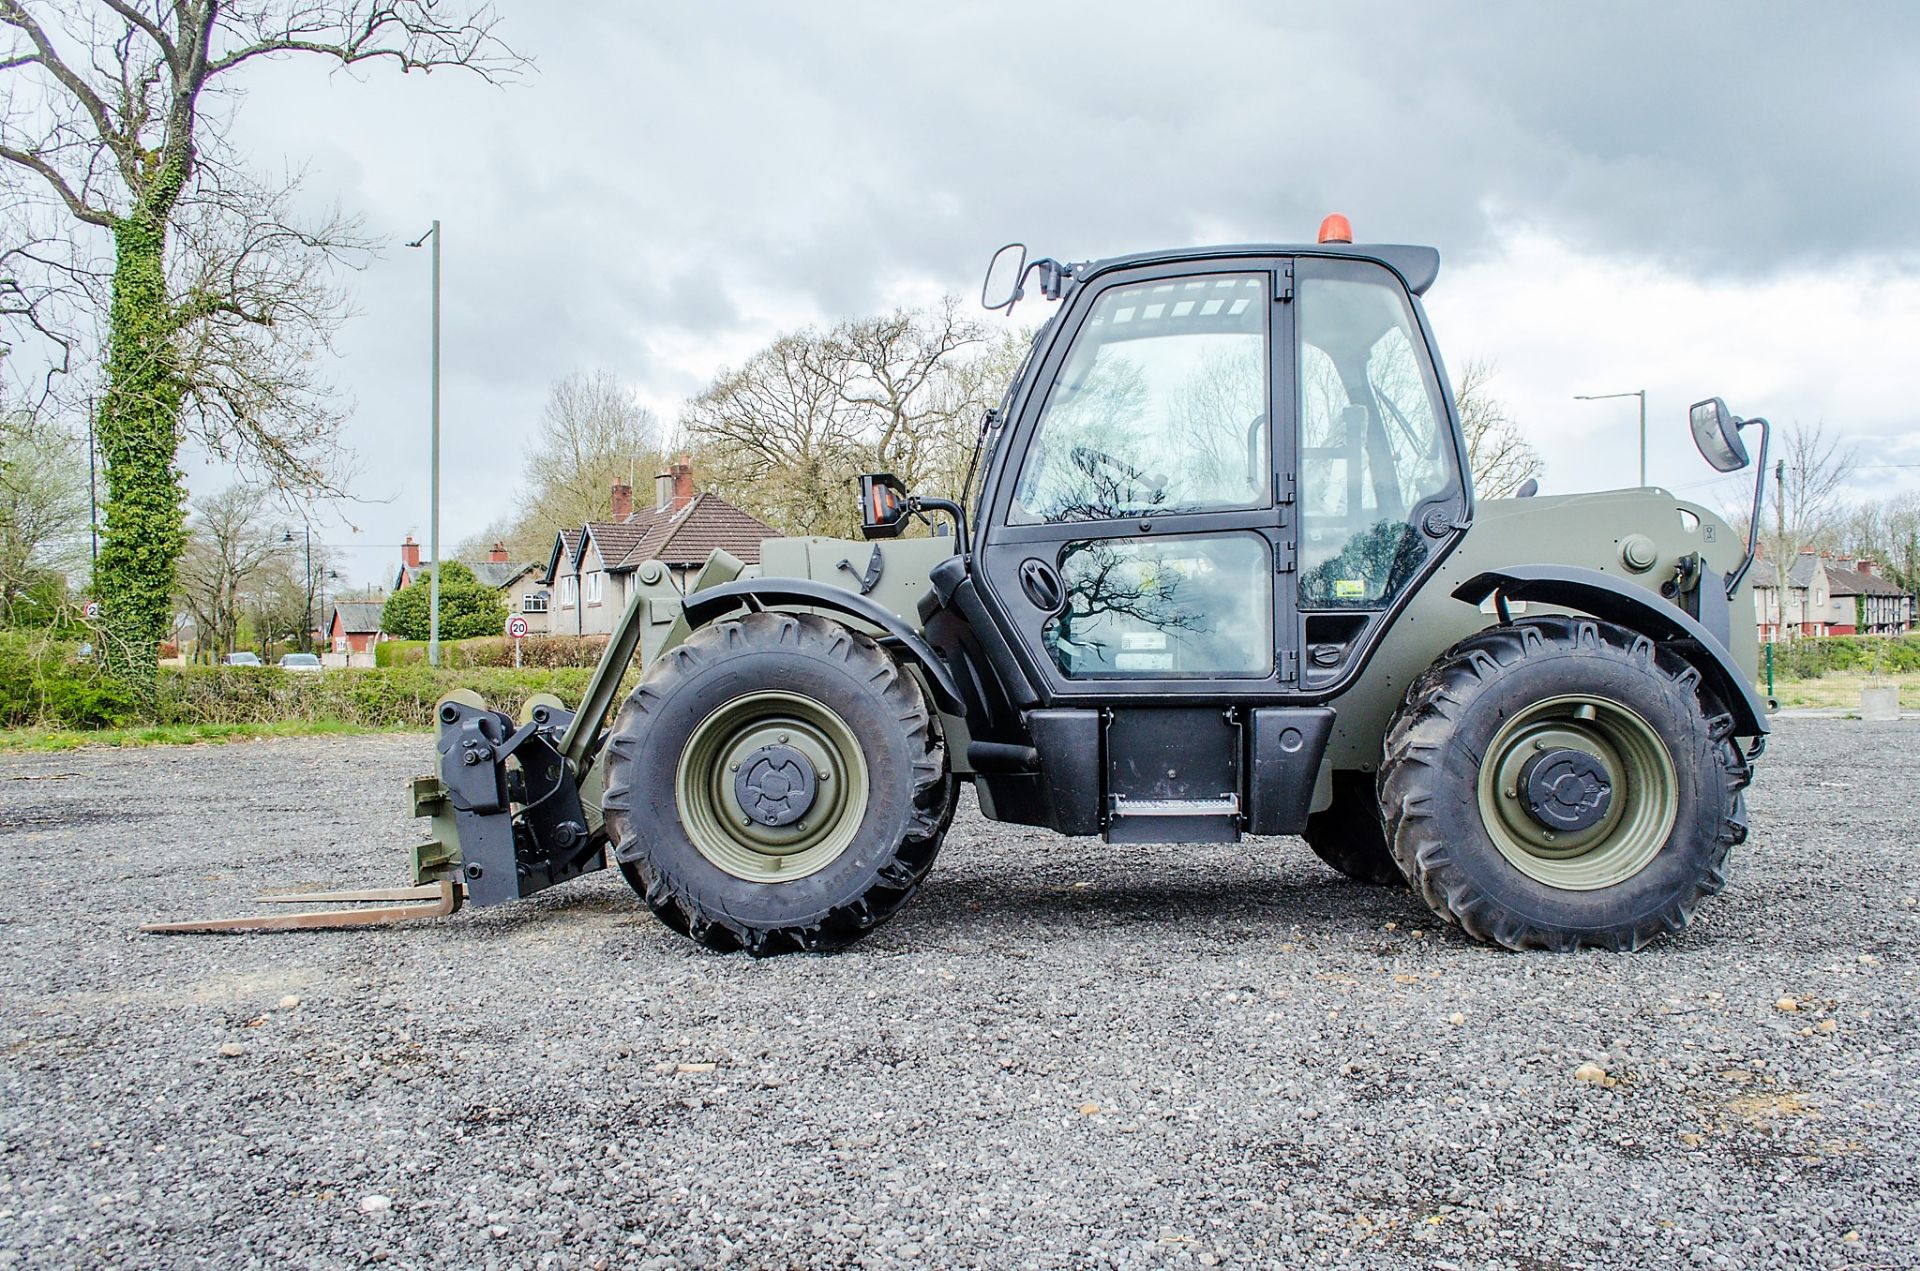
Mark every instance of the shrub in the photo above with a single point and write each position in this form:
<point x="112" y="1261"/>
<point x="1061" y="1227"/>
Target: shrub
<point x="1811" y="657"/>
<point x="44" y="682"/>
<point x="468" y="607"/>
<point x="539" y="652"/>
<point x="385" y="697"/>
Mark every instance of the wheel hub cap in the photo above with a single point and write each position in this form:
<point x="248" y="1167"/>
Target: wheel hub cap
<point x="1568" y="789"/>
<point x="775" y="785"/>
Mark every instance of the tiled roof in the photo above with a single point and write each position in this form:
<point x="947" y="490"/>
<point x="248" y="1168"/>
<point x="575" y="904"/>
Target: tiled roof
<point x="1845" y="581"/>
<point x="499" y="573"/>
<point x="566" y="551"/>
<point x="359" y="618"/>
<point x="689" y="536"/>
<point x="493" y="573"/>
<point x="1842" y="578"/>
<point x="684" y="536"/>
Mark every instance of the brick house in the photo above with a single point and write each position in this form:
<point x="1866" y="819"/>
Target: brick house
<point x="520" y="580"/>
<point x="1828" y="595"/>
<point x="589" y="570"/>
<point x="352" y="630"/>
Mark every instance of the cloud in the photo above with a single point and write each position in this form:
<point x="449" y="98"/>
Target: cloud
<point x="675" y="184"/>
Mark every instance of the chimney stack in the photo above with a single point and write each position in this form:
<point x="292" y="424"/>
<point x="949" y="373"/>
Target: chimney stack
<point x="410" y="553"/>
<point x="499" y="554"/>
<point x="622" y="501"/>
<point x="1865" y="565"/>
<point x="663" y="491"/>
<point x="682" y="482"/>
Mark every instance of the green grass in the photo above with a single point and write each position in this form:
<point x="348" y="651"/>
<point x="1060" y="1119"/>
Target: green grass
<point x="1841" y="689"/>
<point x="57" y="739"/>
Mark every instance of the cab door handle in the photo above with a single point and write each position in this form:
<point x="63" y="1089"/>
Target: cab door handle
<point x="1042" y="585"/>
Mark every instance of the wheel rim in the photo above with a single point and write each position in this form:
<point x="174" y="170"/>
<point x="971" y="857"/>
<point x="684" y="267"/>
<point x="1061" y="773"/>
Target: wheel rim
<point x="1599" y="749"/>
<point x="746" y="769"/>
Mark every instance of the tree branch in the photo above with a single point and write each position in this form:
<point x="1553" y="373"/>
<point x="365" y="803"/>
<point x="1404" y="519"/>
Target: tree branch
<point x="14" y="16"/>
<point x="81" y="209"/>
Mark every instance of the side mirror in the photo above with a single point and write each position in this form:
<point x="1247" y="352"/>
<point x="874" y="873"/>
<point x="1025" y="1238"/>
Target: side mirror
<point x="884" y="507"/>
<point x="1005" y="272"/>
<point x="1716" y="431"/>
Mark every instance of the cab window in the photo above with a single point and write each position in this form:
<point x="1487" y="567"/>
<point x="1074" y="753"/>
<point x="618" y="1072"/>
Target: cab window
<point x="1159" y="407"/>
<point x="1374" y="443"/>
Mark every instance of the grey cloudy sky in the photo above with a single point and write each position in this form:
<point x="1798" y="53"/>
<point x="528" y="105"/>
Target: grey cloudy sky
<point x="1695" y="198"/>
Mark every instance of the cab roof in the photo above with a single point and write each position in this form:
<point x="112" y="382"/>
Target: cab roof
<point x="1417" y="266"/>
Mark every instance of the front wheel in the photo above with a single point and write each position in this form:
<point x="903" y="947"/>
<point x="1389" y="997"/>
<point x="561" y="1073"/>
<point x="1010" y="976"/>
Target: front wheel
<point x="776" y="783"/>
<point x="1563" y="782"/>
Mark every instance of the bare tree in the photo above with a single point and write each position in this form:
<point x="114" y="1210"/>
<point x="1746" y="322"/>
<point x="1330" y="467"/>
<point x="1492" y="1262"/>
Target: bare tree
<point x="1498" y="451"/>
<point x="43" y="505"/>
<point x="784" y="435"/>
<point x="115" y="120"/>
<point x="1809" y="481"/>
<point x="592" y="434"/>
<point x="226" y="571"/>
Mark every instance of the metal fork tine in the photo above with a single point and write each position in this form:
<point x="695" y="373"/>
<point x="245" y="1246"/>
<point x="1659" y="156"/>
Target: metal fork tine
<point x="426" y="891"/>
<point x="320" y="919"/>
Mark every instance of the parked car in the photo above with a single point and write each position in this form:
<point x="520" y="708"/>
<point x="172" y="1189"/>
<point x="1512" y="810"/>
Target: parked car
<point x="244" y="658"/>
<point x="299" y="662"/>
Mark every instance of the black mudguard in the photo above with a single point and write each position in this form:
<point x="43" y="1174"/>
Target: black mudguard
<point x="1635" y="608"/>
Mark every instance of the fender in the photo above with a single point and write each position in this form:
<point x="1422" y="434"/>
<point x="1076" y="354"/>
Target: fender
<point x="1609" y="599"/>
<point x="763" y="593"/>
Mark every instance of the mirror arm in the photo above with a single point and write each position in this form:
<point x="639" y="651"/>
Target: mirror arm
<point x="927" y="503"/>
<point x="1735" y="578"/>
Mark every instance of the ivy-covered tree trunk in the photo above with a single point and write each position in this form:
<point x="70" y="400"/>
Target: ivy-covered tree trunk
<point x="139" y="437"/>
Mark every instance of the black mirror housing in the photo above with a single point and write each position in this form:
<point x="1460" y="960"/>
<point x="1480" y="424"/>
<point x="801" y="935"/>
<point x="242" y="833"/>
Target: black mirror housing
<point x="1006" y="272"/>
<point x="1716" y="431"/>
<point x="884" y="505"/>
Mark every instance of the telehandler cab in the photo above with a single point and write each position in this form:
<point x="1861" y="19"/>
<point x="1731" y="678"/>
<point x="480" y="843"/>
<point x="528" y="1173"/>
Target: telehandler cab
<point x="1223" y="573"/>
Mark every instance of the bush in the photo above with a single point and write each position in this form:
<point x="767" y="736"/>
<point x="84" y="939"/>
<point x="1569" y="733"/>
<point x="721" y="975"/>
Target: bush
<point x="44" y="682"/>
<point x="386" y="697"/>
<point x="1811" y="657"/>
<point x="468" y="607"/>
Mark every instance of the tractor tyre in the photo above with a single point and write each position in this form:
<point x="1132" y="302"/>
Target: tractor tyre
<point x="776" y="783"/>
<point x="1563" y="782"/>
<point x="1350" y="834"/>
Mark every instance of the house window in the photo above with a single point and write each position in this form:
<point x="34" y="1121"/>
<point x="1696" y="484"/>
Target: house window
<point x="593" y="588"/>
<point x="534" y="602"/>
<point x="567" y="586"/>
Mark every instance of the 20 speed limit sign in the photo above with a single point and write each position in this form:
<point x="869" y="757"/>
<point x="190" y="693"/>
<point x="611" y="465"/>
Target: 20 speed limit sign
<point x="517" y="627"/>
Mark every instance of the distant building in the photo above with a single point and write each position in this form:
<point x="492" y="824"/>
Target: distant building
<point x="590" y="570"/>
<point x="1828" y="595"/>
<point x="354" y="627"/>
<point x="520" y="580"/>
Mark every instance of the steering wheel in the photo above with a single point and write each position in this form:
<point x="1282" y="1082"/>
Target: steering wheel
<point x="1087" y="459"/>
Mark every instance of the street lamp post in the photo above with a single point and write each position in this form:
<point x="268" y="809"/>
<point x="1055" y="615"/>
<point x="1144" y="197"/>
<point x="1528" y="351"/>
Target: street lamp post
<point x="433" y="530"/>
<point x="1640" y="393"/>
<point x="306" y="637"/>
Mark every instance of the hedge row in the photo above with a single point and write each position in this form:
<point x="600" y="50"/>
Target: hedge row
<point x="377" y="698"/>
<point x="544" y="652"/>
<point x="43" y="683"/>
<point x="1811" y="657"/>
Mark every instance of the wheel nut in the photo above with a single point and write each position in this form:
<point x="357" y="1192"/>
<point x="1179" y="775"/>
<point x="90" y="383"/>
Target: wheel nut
<point x="1511" y="794"/>
<point x="825" y="774"/>
<point x="783" y="739"/>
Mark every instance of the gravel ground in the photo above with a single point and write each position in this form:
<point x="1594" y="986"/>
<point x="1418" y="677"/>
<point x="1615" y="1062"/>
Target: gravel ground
<point x="1059" y="1055"/>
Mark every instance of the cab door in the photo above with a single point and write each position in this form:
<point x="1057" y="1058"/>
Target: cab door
<point x="1133" y="538"/>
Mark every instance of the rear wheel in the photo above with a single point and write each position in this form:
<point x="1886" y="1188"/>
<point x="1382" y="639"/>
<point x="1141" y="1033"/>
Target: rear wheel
<point x="1350" y="834"/>
<point x="1563" y="782"/>
<point x="776" y="783"/>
